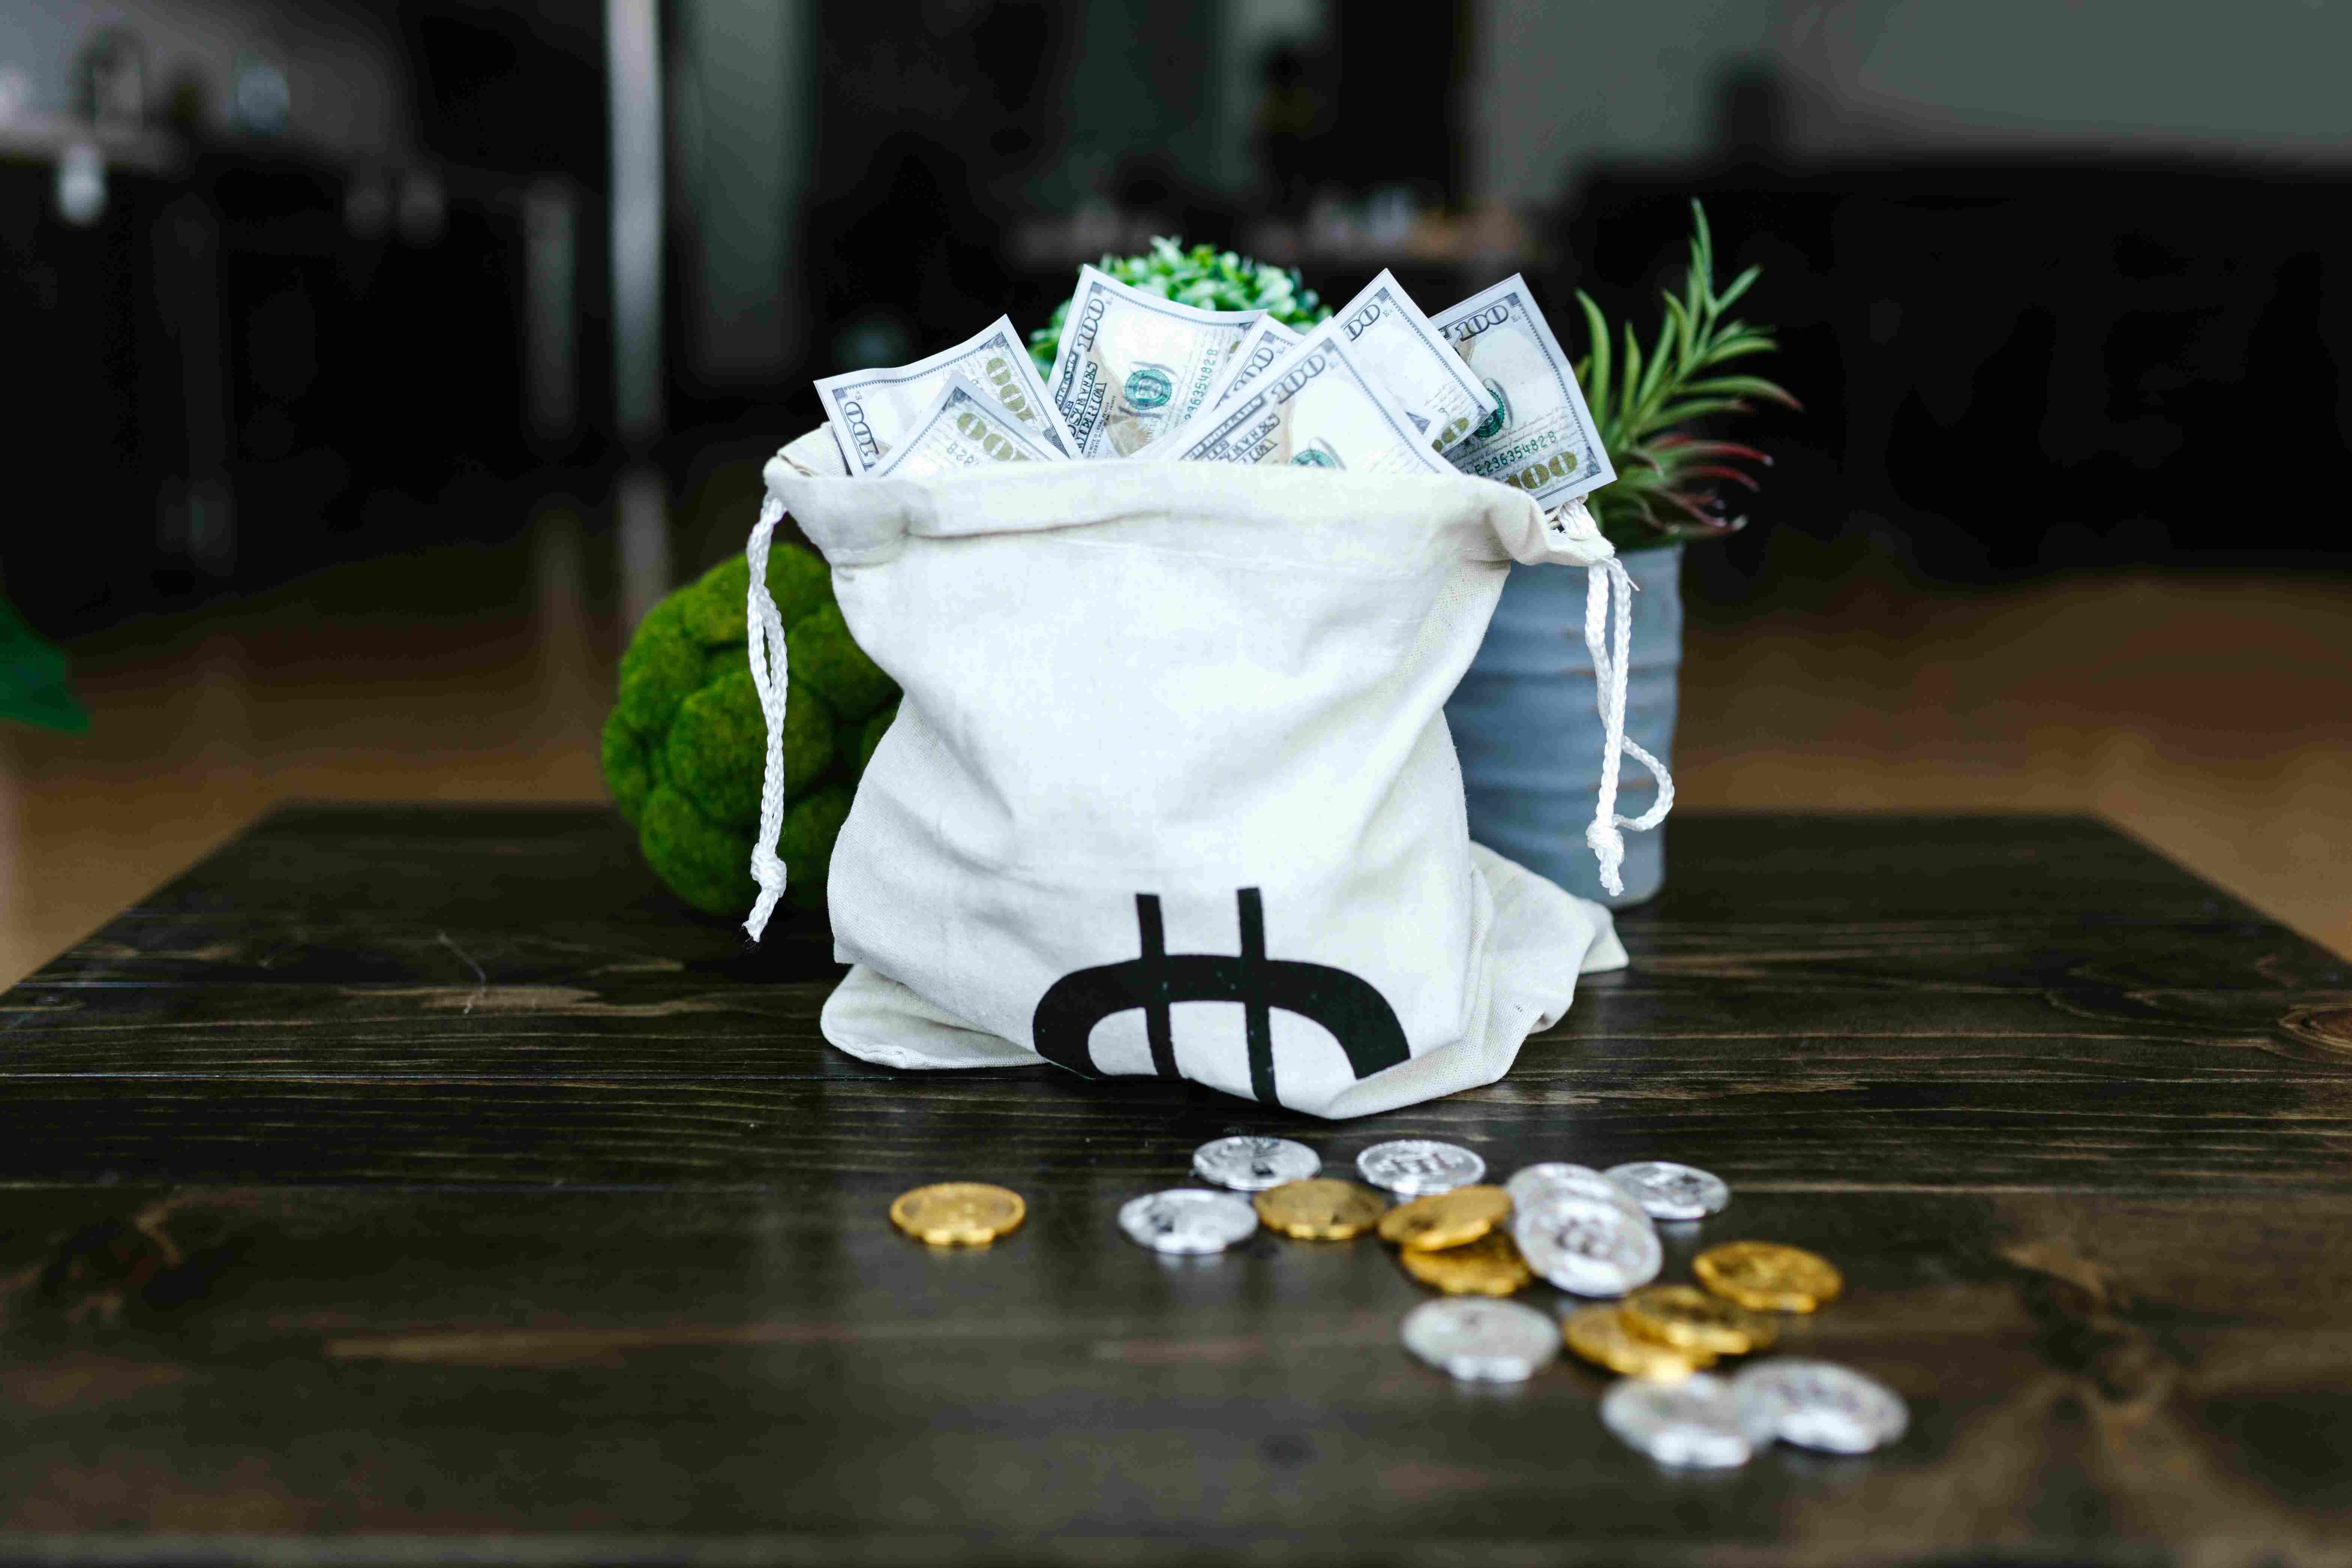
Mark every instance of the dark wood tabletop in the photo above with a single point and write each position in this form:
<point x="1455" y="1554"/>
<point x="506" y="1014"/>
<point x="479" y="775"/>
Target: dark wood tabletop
<point x="424" y="1184"/>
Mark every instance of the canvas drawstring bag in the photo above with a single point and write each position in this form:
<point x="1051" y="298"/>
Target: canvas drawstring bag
<point x="1170" y="791"/>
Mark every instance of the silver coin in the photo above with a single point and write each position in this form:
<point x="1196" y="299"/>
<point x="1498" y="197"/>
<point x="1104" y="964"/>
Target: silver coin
<point x="1587" y="1245"/>
<point x="1821" y="1405"/>
<point x="1670" y="1191"/>
<point x="1476" y="1337"/>
<point x="1187" y="1219"/>
<point x="1414" y="1166"/>
<point x="1696" y="1421"/>
<point x="1254" y="1164"/>
<point x="1532" y="1185"/>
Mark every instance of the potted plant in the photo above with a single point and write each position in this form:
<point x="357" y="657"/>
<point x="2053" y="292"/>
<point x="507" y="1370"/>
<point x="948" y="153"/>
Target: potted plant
<point x="1522" y="718"/>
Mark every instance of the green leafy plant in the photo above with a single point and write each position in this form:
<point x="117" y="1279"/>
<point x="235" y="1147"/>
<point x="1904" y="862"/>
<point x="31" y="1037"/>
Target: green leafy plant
<point x="686" y="745"/>
<point x="1668" y="478"/>
<point x="1205" y="277"/>
<point x="33" y="688"/>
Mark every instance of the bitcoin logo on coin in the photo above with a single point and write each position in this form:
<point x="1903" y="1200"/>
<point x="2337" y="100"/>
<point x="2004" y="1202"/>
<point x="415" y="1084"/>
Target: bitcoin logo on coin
<point x="1410" y="1167"/>
<point x="1695" y="1421"/>
<point x="1672" y="1191"/>
<point x="1489" y="1266"/>
<point x="1187" y="1220"/>
<point x="1687" y="1318"/>
<point x="957" y="1213"/>
<point x="1599" y="1334"/>
<point x="1584" y="1245"/>
<point x="1445" y="1219"/>
<point x="1253" y="1164"/>
<point x="1765" y="1277"/>
<point x="1319" y="1209"/>
<point x="1821" y="1405"/>
<point x="1497" y="1342"/>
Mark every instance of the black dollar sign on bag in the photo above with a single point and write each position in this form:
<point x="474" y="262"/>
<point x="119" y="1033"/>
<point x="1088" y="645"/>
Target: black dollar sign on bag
<point x="1357" y="1015"/>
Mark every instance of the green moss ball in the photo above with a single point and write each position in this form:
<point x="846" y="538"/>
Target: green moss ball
<point x="684" y="748"/>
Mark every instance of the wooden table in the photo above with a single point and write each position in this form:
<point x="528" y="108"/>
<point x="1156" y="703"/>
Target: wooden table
<point x="422" y="1183"/>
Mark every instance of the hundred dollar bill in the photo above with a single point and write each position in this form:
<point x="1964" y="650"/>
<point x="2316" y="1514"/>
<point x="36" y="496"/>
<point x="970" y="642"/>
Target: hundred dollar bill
<point x="1131" y="366"/>
<point x="1317" y="406"/>
<point x="1264" y="344"/>
<point x="962" y="428"/>
<point x="1541" y="438"/>
<point x="873" y="410"/>
<point x="1404" y="350"/>
<point x="1262" y="347"/>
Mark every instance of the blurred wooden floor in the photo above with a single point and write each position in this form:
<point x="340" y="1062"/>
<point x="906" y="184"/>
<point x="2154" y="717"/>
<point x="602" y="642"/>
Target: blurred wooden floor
<point x="2210" y="715"/>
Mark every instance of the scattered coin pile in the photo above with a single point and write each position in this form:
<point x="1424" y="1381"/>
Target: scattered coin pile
<point x="1590" y="1233"/>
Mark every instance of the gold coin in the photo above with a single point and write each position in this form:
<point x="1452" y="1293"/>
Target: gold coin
<point x="1687" y="1318"/>
<point x="1599" y="1334"/>
<point x="1318" y="1210"/>
<point x="957" y="1213"/>
<point x="1765" y="1277"/>
<point x="1445" y="1219"/>
<point x="1490" y="1266"/>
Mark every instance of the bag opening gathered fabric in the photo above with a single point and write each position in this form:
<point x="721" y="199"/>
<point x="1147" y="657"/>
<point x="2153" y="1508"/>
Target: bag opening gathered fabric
<point x="1170" y="791"/>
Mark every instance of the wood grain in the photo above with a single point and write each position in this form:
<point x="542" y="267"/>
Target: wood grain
<point x="419" y="1184"/>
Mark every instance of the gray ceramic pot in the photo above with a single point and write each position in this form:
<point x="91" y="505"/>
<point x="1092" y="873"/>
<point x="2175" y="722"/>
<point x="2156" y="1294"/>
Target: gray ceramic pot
<point x="1528" y="732"/>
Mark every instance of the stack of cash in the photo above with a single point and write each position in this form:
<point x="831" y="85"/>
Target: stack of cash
<point x="1480" y="388"/>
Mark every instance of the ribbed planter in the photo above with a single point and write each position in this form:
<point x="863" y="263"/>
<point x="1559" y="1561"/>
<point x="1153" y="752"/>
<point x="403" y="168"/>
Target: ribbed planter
<point x="1528" y="732"/>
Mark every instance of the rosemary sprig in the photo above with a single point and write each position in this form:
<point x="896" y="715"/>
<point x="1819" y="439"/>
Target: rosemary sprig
<point x="1667" y="478"/>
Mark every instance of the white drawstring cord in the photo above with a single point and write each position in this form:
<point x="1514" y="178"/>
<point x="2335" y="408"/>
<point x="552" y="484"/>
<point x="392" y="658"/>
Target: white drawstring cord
<point x="769" y="665"/>
<point x="1605" y="580"/>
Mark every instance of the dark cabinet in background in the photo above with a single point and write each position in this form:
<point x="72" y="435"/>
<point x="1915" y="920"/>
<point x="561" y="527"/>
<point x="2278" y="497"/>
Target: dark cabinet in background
<point x="247" y="367"/>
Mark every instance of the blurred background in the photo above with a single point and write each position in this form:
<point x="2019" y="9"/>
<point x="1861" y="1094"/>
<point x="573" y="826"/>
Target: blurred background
<point x="376" y="364"/>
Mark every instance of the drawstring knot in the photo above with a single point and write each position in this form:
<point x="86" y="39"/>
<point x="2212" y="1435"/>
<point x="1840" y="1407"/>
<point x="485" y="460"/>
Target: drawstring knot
<point x="1608" y="586"/>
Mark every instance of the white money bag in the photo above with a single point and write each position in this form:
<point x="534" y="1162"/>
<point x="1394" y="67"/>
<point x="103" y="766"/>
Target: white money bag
<point x="1171" y="790"/>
